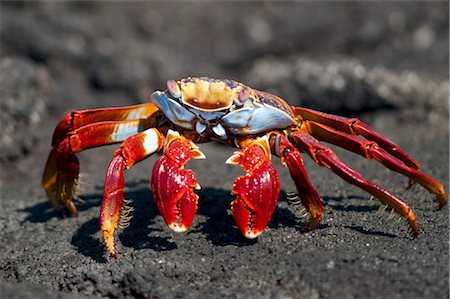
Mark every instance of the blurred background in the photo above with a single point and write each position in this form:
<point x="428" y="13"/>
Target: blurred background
<point x="340" y="57"/>
<point x="385" y="62"/>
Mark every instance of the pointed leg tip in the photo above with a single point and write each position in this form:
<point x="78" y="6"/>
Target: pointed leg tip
<point x="73" y="209"/>
<point x="442" y="199"/>
<point x="313" y="223"/>
<point x="414" y="226"/>
<point x="108" y="239"/>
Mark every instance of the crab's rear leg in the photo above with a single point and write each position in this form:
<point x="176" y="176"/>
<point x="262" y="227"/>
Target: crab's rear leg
<point x="80" y="130"/>
<point x="356" y="127"/>
<point x="370" y="149"/>
<point x="173" y="185"/>
<point x="60" y="178"/>
<point x="258" y="191"/>
<point x="291" y="157"/>
<point x="323" y="156"/>
<point x="62" y="169"/>
<point x="78" y="118"/>
<point x="132" y="150"/>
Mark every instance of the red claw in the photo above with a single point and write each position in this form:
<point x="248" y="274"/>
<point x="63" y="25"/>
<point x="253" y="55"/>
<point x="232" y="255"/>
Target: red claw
<point x="173" y="186"/>
<point x="258" y="191"/>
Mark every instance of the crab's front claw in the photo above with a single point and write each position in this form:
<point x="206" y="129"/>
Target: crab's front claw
<point x="258" y="191"/>
<point x="172" y="185"/>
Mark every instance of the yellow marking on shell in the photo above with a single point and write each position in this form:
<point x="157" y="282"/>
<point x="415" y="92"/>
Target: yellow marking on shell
<point x="208" y="95"/>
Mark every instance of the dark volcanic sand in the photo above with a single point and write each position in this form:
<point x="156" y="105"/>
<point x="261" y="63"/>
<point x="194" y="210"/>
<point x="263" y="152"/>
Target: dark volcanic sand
<point x="387" y="64"/>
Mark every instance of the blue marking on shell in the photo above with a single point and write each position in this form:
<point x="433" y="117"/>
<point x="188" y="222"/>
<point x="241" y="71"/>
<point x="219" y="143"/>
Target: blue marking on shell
<point x="208" y="115"/>
<point x="230" y="84"/>
<point x="257" y="119"/>
<point x="188" y="79"/>
<point x="176" y="113"/>
<point x="238" y="118"/>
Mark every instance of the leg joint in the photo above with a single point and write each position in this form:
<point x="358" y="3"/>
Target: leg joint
<point x="120" y="152"/>
<point x="352" y="122"/>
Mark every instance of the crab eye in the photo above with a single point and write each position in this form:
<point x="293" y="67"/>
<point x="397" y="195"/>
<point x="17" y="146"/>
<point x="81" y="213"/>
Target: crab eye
<point x="173" y="88"/>
<point x="243" y="97"/>
<point x="244" y="94"/>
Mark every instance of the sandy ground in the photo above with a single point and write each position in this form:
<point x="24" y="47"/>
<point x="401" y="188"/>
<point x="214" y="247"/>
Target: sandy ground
<point x="355" y="252"/>
<point x="388" y="66"/>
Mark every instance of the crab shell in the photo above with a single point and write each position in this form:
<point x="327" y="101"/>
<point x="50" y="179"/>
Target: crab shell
<point x="221" y="109"/>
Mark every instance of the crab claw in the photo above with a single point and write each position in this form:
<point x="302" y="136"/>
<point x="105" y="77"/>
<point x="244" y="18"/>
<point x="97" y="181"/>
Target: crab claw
<point x="172" y="185"/>
<point x="258" y="191"/>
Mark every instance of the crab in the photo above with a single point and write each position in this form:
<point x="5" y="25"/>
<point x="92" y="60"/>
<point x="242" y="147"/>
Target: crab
<point x="200" y="109"/>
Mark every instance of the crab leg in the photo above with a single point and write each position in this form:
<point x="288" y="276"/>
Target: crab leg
<point x="356" y="127"/>
<point x="62" y="169"/>
<point x="76" y="119"/>
<point x="290" y="157"/>
<point x="324" y="156"/>
<point x="172" y="185"/>
<point x="258" y="191"/>
<point x="370" y="149"/>
<point x="131" y="151"/>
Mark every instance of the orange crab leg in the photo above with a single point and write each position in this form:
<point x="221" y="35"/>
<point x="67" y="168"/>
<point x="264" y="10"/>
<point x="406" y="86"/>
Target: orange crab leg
<point x="291" y="157"/>
<point x="61" y="178"/>
<point x="356" y="127"/>
<point x="370" y="149"/>
<point x="132" y="150"/>
<point x="258" y="191"/>
<point x="62" y="168"/>
<point x="324" y="156"/>
<point x="76" y="119"/>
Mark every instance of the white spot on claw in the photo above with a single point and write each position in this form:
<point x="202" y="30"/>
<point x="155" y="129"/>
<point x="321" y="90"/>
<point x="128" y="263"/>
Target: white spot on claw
<point x="151" y="141"/>
<point x="178" y="228"/>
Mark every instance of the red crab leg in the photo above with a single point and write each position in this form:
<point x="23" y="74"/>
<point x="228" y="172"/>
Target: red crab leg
<point x="172" y="185"/>
<point x="61" y="178"/>
<point x="76" y="119"/>
<point x="131" y="151"/>
<point x="258" y="191"/>
<point x="356" y="127"/>
<point x="62" y="169"/>
<point x="370" y="149"/>
<point x="324" y="156"/>
<point x="291" y="157"/>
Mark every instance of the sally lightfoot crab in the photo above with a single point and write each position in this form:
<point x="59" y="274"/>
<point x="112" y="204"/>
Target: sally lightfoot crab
<point x="259" y="124"/>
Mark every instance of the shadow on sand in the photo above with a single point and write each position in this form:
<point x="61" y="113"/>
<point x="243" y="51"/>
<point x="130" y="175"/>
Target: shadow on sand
<point x="144" y="233"/>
